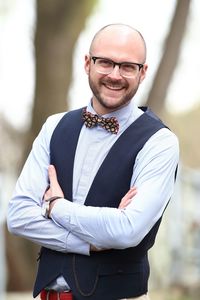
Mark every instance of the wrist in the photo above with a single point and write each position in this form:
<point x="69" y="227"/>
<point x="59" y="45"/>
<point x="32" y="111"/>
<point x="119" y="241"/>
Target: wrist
<point x="47" y="205"/>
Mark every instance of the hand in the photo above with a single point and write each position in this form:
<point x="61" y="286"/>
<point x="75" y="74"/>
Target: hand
<point x="54" y="187"/>
<point x="127" y="198"/>
<point x="93" y="248"/>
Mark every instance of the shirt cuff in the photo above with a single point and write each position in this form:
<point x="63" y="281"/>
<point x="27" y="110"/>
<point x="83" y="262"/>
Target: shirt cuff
<point x="60" y="212"/>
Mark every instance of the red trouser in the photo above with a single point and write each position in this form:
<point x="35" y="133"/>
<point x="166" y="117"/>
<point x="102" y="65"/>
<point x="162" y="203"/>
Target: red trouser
<point x="52" y="295"/>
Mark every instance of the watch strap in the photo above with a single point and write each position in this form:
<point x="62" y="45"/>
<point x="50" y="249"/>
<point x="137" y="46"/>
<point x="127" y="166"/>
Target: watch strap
<point x="51" y="199"/>
<point x="46" y="205"/>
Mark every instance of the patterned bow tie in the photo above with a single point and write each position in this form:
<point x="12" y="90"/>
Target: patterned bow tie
<point x="91" y="120"/>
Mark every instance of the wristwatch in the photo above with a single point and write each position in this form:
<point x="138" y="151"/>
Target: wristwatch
<point x="46" y="206"/>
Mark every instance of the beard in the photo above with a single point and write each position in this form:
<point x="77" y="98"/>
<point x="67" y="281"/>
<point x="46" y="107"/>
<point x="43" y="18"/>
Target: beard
<point x="121" y="84"/>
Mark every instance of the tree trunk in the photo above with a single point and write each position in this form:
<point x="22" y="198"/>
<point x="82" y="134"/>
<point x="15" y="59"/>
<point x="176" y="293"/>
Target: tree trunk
<point x="59" y="24"/>
<point x="169" y="60"/>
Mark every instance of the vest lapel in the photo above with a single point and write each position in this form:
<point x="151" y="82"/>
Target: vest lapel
<point x="66" y="139"/>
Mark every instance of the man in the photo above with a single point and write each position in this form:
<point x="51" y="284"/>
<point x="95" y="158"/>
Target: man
<point x="70" y="198"/>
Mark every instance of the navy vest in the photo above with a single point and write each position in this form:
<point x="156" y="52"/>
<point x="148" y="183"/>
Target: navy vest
<point x="110" y="274"/>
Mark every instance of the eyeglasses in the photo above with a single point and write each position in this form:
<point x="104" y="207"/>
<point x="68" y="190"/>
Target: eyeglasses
<point x="106" y="66"/>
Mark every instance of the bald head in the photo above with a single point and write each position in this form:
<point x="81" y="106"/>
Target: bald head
<point x="114" y="36"/>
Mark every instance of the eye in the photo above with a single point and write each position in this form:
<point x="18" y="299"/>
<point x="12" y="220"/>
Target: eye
<point x="130" y="68"/>
<point x="105" y="63"/>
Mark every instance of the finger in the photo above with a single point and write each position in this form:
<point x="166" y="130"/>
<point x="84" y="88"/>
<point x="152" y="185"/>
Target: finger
<point x="128" y="197"/>
<point x="125" y="203"/>
<point x="54" y="184"/>
<point x="132" y="193"/>
<point x="47" y="195"/>
<point x="132" y="190"/>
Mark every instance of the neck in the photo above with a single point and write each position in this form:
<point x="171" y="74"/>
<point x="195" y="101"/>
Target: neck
<point x="101" y="110"/>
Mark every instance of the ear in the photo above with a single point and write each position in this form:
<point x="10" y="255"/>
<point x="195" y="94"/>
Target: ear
<point x="87" y="64"/>
<point x="143" y="72"/>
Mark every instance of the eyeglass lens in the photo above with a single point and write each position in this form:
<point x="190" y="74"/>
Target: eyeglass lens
<point x="106" y="66"/>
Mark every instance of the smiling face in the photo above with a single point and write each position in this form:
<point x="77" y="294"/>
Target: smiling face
<point x="119" y="43"/>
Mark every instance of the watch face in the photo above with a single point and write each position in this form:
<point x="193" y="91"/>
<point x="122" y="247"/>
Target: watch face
<point x="45" y="209"/>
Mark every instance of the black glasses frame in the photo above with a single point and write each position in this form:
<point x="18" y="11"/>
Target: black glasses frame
<point x="94" y="58"/>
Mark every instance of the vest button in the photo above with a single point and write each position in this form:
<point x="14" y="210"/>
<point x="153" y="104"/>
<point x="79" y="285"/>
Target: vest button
<point x="119" y="271"/>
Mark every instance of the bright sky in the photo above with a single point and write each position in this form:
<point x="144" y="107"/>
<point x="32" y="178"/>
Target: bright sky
<point x="150" y="17"/>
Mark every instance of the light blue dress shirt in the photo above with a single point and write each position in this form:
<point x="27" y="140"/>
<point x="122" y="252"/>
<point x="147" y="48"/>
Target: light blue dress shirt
<point x="73" y="226"/>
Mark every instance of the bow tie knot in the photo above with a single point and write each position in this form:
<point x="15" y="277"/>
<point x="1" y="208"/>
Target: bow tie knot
<point x="91" y="120"/>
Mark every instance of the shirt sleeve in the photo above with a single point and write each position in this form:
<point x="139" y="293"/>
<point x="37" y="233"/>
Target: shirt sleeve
<point x="153" y="175"/>
<point x="24" y="216"/>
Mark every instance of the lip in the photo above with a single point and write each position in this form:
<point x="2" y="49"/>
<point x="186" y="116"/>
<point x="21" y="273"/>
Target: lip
<point x="113" y="87"/>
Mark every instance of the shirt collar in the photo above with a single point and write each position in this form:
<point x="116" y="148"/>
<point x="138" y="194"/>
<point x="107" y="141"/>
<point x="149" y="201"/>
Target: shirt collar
<point x="129" y="112"/>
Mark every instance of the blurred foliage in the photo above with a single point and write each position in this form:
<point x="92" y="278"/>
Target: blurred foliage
<point x="186" y="127"/>
<point x="178" y="293"/>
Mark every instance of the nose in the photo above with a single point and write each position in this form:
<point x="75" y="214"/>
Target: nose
<point x="115" y="72"/>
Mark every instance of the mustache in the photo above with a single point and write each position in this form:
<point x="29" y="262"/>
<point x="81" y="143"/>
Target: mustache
<point x="114" y="82"/>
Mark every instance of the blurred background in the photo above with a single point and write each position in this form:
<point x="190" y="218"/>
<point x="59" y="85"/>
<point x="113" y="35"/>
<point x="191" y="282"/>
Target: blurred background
<point x="42" y="48"/>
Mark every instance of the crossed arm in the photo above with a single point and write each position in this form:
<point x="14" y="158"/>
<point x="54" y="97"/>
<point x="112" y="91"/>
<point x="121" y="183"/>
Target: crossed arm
<point x="74" y="227"/>
<point x="55" y="190"/>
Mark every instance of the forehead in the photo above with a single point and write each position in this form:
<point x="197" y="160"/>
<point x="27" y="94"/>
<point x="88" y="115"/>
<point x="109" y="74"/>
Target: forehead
<point x="119" y="43"/>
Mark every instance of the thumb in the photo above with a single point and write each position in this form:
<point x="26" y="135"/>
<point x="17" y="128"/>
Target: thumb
<point x="54" y="185"/>
<point x="52" y="175"/>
